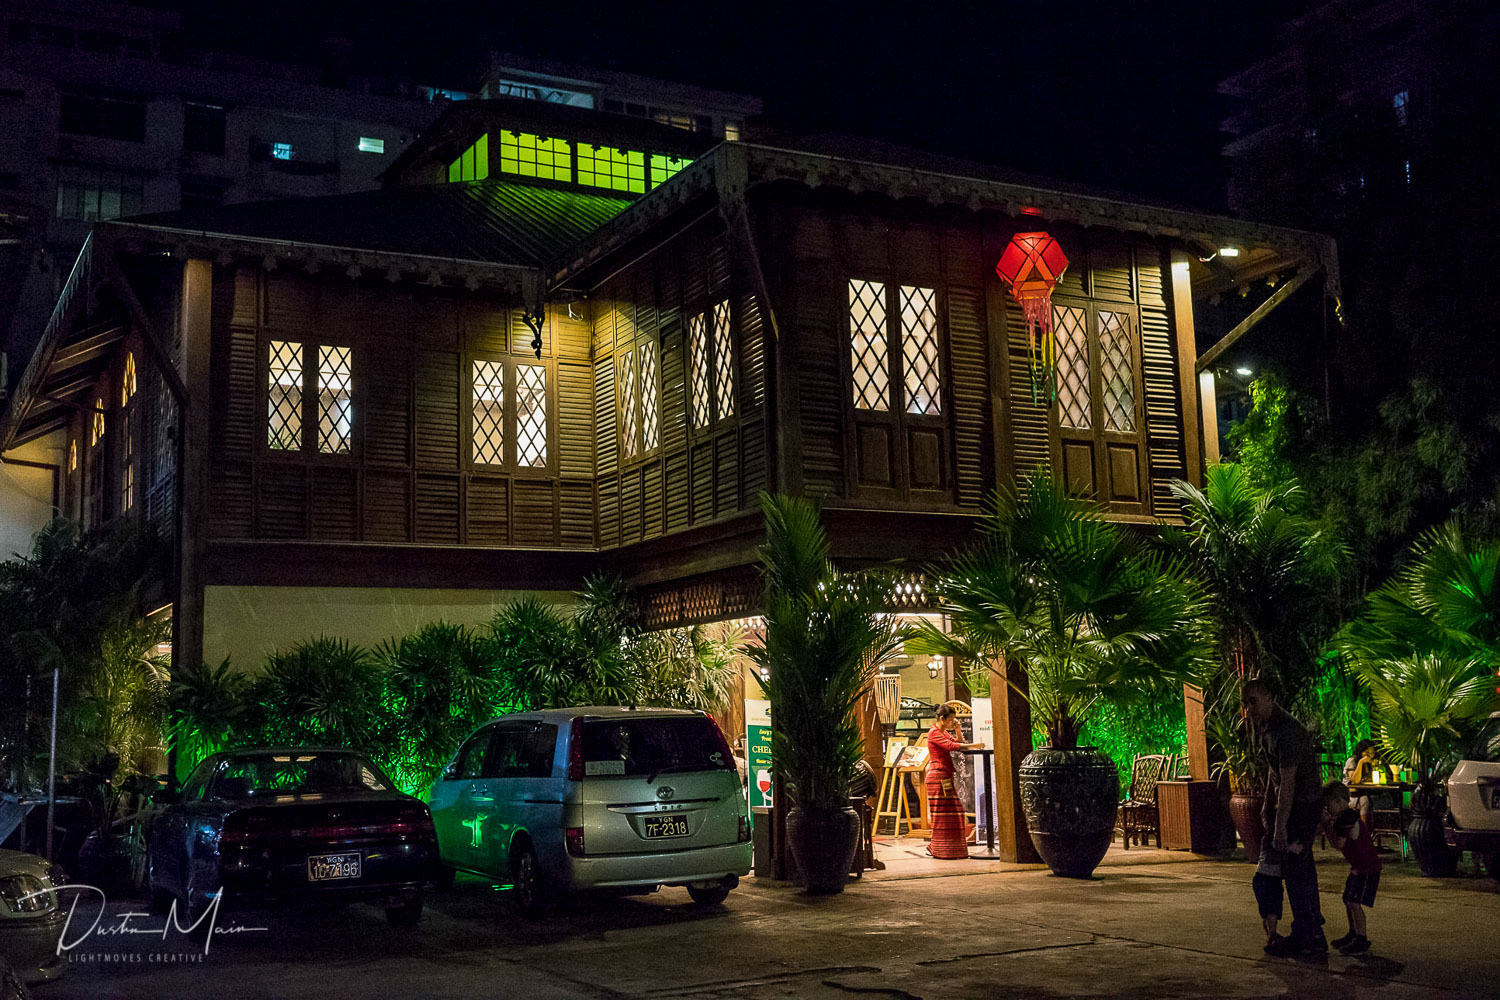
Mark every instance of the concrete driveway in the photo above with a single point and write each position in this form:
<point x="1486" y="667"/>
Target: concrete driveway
<point x="1162" y="928"/>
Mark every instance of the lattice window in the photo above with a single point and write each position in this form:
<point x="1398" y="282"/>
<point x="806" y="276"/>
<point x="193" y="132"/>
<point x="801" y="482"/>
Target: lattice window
<point x="698" y="370"/>
<point x="664" y="167"/>
<point x="127" y="382"/>
<point x="723" y="362"/>
<point x="629" y="393"/>
<point x="96" y="428"/>
<point x="489" y="412"/>
<point x="1074" y="404"/>
<point x="1117" y="371"/>
<point x="284" y="397"/>
<point x="335" y="399"/>
<point x="869" y="346"/>
<point x="127" y="464"/>
<point x="531" y="415"/>
<point x="647" y="363"/>
<point x="919" y="350"/>
<point x="616" y="169"/>
<point x="532" y="156"/>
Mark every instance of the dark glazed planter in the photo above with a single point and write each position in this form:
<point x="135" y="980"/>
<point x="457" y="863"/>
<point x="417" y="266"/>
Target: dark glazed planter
<point x="1070" y="797"/>
<point x="822" y="845"/>
<point x="1244" y="809"/>
<point x="1434" y="856"/>
<point x="104" y="863"/>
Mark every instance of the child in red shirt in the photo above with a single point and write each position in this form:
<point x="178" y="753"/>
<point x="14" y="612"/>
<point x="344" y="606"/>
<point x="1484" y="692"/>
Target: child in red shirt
<point x="1350" y="833"/>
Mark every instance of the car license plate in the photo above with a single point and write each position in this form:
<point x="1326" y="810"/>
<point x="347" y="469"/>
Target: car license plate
<point x="1495" y="796"/>
<point x="666" y="826"/>
<point x="326" y="867"/>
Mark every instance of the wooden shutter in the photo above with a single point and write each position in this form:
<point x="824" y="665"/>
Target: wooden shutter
<point x="437" y="423"/>
<point x="1164" y="417"/>
<point x="969" y="378"/>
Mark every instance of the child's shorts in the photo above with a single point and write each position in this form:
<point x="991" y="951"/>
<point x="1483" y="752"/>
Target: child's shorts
<point x="1360" y="888"/>
<point x="1267" y="890"/>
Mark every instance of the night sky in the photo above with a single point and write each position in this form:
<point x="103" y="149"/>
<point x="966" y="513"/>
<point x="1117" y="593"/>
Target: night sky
<point x="1120" y="94"/>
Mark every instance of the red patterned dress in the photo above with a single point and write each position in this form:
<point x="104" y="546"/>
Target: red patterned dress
<point x="944" y="808"/>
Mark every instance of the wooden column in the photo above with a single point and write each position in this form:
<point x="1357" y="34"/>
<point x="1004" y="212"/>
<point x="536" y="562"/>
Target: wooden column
<point x="1197" y="733"/>
<point x="192" y="468"/>
<point x="1195" y="445"/>
<point x="1012" y="744"/>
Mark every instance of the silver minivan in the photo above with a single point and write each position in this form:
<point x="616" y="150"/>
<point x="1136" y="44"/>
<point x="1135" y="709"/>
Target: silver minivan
<point x="576" y="799"/>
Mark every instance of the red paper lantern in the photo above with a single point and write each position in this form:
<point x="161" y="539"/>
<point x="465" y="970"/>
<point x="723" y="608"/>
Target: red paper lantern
<point x="1032" y="265"/>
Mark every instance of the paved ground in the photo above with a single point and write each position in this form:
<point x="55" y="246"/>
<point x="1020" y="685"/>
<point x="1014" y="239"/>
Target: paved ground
<point x="1158" y="926"/>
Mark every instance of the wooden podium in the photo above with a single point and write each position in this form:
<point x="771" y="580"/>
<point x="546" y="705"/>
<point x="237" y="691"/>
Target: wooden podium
<point x="1192" y="817"/>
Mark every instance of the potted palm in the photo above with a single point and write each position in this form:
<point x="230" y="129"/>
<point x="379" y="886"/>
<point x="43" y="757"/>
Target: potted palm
<point x="1426" y="646"/>
<point x="1091" y="615"/>
<point x="825" y="636"/>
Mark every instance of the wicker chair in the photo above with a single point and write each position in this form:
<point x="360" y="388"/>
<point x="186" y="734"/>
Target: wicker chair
<point x="1137" y="815"/>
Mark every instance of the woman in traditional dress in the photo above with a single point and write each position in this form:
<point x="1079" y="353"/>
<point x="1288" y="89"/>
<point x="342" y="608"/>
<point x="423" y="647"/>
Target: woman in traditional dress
<point x="944" y="807"/>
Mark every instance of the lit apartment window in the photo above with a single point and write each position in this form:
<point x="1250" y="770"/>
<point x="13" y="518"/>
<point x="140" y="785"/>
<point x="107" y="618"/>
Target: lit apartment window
<point x="1074" y="400"/>
<point x="630" y="394"/>
<point x="530" y="155"/>
<point x="284" y="395"/>
<point x="1117" y="371"/>
<point x="647" y="367"/>
<point x="335" y="399"/>
<point x="676" y="119"/>
<point x="474" y="163"/>
<point x="127" y="381"/>
<point x="72" y="456"/>
<point x="639" y="429"/>
<point x="282" y="151"/>
<point x="96" y="427"/>
<point x="616" y="169"/>
<point x="876" y="344"/>
<point x="1399" y="103"/>
<point x="732" y="130"/>
<point x="531" y="416"/>
<point x="368" y="145"/>
<point x="489" y="412"/>
<point x="698" y="369"/>
<point x="1116" y="359"/>
<point x="127" y="457"/>
<point x="663" y="167"/>
<point x="95" y="194"/>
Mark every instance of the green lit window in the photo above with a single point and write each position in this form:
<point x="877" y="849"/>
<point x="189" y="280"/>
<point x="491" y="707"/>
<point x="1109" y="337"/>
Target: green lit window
<point x="663" y="167"/>
<point x="474" y="164"/>
<point x="532" y="156"/>
<point x="616" y="169"/>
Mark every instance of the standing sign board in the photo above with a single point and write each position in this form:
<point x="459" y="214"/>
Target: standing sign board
<point x="986" y="814"/>
<point x="758" y="751"/>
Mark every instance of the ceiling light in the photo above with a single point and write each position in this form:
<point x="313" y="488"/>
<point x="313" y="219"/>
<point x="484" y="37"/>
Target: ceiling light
<point x="1244" y="371"/>
<point x="1229" y="251"/>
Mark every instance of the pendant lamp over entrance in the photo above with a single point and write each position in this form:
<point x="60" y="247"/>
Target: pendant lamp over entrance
<point x="1032" y="265"/>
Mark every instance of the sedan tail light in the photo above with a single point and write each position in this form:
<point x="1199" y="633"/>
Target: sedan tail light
<point x="575" y="841"/>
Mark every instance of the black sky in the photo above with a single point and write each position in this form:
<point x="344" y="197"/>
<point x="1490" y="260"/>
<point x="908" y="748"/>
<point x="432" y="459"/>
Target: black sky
<point x="1119" y="94"/>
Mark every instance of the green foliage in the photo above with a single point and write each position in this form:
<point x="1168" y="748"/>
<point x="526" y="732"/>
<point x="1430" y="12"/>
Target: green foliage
<point x="546" y="659"/>
<point x="322" y="692"/>
<point x="1092" y="615"/>
<point x="206" y="706"/>
<point x="438" y="685"/>
<point x="687" y="667"/>
<point x="1155" y="724"/>
<point x="1265" y="442"/>
<point x="825" y="637"/>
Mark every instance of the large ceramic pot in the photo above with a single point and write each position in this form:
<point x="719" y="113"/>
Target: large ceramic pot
<point x="104" y="862"/>
<point x="1244" y="810"/>
<point x="1070" y="797"/>
<point x="822" y="843"/>
<point x="1434" y="856"/>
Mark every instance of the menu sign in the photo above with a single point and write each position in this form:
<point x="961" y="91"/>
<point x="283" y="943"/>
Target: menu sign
<point x="758" y="751"/>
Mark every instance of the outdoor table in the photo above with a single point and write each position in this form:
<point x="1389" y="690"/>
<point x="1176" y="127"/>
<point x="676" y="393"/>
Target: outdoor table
<point x="985" y="762"/>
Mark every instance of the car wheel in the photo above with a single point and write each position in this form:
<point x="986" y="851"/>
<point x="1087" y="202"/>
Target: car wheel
<point x="445" y="877"/>
<point x="408" y="914"/>
<point x="709" y="896"/>
<point x="1492" y="865"/>
<point x="526" y="877"/>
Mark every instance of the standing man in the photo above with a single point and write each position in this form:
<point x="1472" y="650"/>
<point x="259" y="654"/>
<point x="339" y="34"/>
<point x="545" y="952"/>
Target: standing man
<point x="1293" y="805"/>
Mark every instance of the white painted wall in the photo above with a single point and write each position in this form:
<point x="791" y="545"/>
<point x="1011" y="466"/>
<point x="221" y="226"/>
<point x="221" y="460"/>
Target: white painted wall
<point x="26" y="493"/>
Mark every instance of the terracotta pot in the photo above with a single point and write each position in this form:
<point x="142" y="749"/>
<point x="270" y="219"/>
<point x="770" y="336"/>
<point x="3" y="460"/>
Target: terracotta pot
<point x="1244" y="809"/>
<point x="1434" y="856"/>
<point x="1070" y="797"/>
<point x="822" y="843"/>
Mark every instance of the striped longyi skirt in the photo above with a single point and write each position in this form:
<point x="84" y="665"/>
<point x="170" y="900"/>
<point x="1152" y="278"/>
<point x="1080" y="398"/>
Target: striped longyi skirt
<point x="946" y="811"/>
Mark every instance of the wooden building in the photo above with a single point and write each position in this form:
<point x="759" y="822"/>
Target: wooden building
<point x="553" y="347"/>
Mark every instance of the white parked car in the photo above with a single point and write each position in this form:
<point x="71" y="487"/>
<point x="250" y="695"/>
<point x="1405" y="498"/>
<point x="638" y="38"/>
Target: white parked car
<point x="595" y="798"/>
<point x="1474" y="801"/>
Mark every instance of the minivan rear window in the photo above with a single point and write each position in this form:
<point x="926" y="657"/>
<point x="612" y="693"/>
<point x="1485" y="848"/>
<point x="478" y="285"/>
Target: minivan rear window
<point x="652" y="746"/>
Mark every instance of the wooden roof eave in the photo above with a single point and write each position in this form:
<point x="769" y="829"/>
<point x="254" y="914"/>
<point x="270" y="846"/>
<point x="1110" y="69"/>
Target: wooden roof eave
<point x="733" y="167"/>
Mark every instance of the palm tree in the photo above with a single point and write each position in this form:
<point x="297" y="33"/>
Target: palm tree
<point x="826" y="633"/>
<point x="1089" y="612"/>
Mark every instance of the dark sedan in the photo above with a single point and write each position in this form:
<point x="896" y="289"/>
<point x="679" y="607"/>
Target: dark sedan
<point x="291" y="825"/>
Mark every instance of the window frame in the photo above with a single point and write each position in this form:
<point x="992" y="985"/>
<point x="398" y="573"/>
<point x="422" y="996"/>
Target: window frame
<point x="509" y="464"/>
<point x="637" y="403"/>
<point x="896" y="396"/>
<point x="307" y="448"/>
<point x="716" y="422"/>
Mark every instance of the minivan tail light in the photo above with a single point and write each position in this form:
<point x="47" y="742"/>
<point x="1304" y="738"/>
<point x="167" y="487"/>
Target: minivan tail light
<point x="575" y="841"/>
<point x="575" y="751"/>
<point x="744" y="828"/>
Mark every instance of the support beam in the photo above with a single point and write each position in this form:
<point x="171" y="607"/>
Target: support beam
<point x="1197" y="732"/>
<point x="1208" y="414"/>
<point x="1012" y="744"/>
<point x="1187" y="359"/>
<point x="1250" y="322"/>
